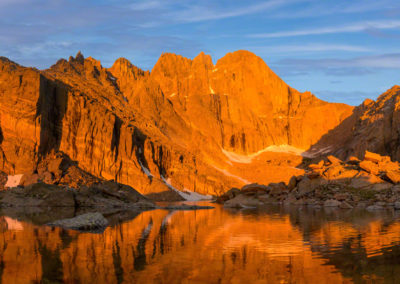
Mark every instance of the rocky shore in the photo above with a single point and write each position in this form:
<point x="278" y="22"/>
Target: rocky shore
<point x="105" y="194"/>
<point x="372" y="183"/>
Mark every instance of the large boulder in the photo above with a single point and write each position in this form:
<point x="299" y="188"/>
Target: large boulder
<point x="369" y="167"/>
<point x="373" y="157"/>
<point x="393" y="176"/>
<point x="243" y="201"/>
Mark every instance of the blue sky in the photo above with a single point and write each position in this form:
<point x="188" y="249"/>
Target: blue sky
<point x="342" y="51"/>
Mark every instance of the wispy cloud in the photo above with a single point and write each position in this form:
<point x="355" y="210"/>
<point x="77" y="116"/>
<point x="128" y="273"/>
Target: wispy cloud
<point x="339" y="67"/>
<point x="196" y="13"/>
<point x="317" y="9"/>
<point x="305" y="48"/>
<point x="147" y="5"/>
<point x="350" y="28"/>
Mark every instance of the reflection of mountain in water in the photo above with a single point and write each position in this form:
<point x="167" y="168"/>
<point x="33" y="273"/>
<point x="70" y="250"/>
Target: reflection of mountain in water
<point x="209" y="246"/>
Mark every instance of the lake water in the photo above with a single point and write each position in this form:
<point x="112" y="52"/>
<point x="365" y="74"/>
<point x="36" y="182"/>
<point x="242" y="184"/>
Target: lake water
<point x="274" y="245"/>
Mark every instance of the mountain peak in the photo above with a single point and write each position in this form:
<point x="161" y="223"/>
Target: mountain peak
<point x="203" y="59"/>
<point x="240" y="55"/>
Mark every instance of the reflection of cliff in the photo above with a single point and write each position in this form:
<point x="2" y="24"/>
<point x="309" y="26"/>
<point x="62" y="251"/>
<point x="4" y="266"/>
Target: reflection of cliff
<point x="371" y="252"/>
<point x="210" y="246"/>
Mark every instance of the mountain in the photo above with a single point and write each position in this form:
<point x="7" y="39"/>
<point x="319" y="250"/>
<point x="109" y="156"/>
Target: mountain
<point x="188" y="124"/>
<point x="374" y="126"/>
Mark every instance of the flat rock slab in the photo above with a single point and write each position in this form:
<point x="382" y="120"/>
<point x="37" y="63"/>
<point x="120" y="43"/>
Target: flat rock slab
<point x="186" y="207"/>
<point x="85" y="222"/>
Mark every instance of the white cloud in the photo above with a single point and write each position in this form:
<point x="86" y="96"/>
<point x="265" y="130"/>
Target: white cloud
<point x="204" y="13"/>
<point x="147" y="5"/>
<point x="351" y="28"/>
<point x="316" y="47"/>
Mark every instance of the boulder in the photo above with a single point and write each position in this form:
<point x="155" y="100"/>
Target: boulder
<point x="333" y="171"/>
<point x="254" y="187"/>
<point x="380" y="186"/>
<point x="277" y="188"/>
<point x="304" y="186"/>
<point x="397" y="205"/>
<point x="341" y="196"/>
<point x="345" y="205"/>
<point x="333" y="160"/>
<point x="228" y="195"/>
<point x="292" y="183"/>
<point x="375" y="207"/>
<point x="242" y="201"/>
<point x="393" y="176"/>
<point x="353" y="161"/>
<point x="373" y="157"/>
<point x="369" y="167"/>
<point x="88" y="221"/>
<point x="332" y="203"/>
<point x="320" y="165"/>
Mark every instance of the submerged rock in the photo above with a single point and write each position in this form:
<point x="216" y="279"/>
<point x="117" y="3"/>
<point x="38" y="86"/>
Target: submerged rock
<point x="186" y="207"/>
<point x="86" y="222"/>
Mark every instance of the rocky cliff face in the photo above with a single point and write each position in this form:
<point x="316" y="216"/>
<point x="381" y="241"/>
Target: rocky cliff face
<point x="374" y="126"/>
<point x="171" y="128"/>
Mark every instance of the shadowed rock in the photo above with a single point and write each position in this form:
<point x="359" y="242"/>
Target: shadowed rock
<point x="85" y="222"/>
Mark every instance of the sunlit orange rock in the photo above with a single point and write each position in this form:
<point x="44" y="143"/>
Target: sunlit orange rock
<point x="176" y="126"/>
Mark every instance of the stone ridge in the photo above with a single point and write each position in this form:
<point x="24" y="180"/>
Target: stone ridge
<point x="155" y="131"/>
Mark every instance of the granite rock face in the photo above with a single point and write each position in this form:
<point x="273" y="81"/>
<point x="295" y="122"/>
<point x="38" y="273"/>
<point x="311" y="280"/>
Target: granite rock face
<point x="156" y="131"/>
<point x="374" y="126"/>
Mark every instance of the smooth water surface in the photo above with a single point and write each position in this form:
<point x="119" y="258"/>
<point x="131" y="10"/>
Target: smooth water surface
<point x="210" y="246"/>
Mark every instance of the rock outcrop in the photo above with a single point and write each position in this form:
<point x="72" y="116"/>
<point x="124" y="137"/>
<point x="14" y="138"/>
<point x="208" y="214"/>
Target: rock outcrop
<point x="373" y="183"/>
<point x="374" y="126"/>
<point x="98" y="195"/>
<point x="155" y="131"/>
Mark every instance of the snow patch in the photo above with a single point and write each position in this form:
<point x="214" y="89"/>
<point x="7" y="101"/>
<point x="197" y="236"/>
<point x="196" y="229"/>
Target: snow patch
<point x="317" y="152"/>
<point x="228" y="174"/>
<point x="167" y="219"/>
<point x="283" y="149"/>
<point x="172" y="95"/>
<point x="145" y="170"/>
<point x="247" y="159"/>
<point x="186" y="194"/>
<point x="211" y="90"/>
<point x="13" y="181"/>
<point x="112" y="78"/>
<point x="147" y="230"/>
<point x="13" y="225"/>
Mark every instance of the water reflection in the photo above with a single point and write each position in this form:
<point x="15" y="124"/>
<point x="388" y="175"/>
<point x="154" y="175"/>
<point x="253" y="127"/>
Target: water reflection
<point x="214" y="246"/>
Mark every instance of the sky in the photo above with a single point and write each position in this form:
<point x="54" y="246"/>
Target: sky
<point x="342" y="51"/>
